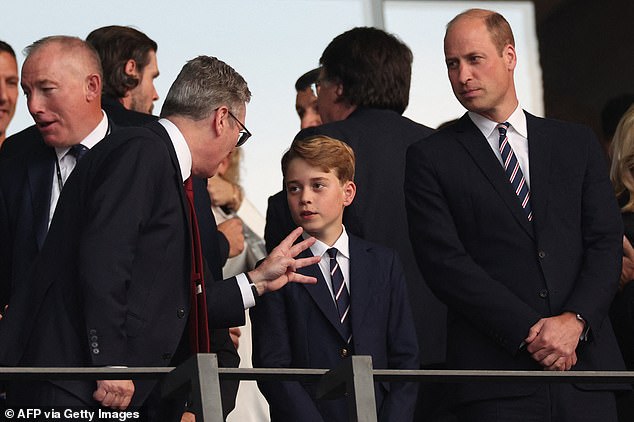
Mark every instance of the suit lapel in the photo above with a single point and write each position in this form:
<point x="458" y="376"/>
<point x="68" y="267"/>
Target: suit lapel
<point x="363" y="281"/>
<point x="320" y="294"/>
<point x="539" y="153"/>
<point x="477" y="146"/>
<point x="40" y="178"/>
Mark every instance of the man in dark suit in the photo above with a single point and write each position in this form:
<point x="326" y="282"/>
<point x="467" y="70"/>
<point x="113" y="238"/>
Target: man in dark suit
<point x="61" y="78"/>
<point x="515" y="227"/>
<point x="363" y="90"/>
<point x="130" y="66"/>
<point x="113" y="281"/>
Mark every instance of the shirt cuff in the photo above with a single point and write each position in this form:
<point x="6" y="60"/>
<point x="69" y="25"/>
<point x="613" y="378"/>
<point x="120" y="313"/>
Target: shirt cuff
<point x="245" y="289"/>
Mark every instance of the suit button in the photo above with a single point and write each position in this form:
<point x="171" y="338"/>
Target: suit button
<point x="541" y="254"/>
<point x="167" y="356"/>
<point x="543" y="293"/>
<point x="92" y="332"/>
<point x="344" y="353"/>
<point x="95" y="351"/>
<point x="94" y="338"/>
<point x="180" y="313"/>
<point x="94" y="345"/>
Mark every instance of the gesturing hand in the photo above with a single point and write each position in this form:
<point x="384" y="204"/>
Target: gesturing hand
<point x="279" y="267"/>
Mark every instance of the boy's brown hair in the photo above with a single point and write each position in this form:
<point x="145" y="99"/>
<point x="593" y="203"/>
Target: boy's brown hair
<point x="326" y="153"/>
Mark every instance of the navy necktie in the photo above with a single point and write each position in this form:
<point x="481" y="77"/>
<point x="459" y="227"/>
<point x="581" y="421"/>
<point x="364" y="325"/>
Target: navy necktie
<point x="78" y="151"/>
<point x="342" y="297"/>
<point x="514" y="172"/>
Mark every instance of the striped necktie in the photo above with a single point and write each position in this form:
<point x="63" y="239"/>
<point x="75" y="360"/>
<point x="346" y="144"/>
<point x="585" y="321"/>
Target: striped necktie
<point x="513" y="171"/>
<point x="342" y="297"/>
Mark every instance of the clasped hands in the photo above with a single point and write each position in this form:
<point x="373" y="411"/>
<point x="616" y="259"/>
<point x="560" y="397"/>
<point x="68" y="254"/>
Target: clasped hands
<point x="553" y="341"/>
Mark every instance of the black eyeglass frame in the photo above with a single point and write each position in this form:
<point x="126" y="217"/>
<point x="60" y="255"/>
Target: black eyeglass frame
<point x="244" y="132"/>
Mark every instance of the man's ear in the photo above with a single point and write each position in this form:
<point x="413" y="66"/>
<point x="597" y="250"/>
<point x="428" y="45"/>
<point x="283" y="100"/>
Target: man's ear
<point x="339" y="90"/>
<point x="349" y="191"/>
<point x="509" y="57"/>
<point x="219" y="120"/>
<point x="93" y="87"/>
<point x="130" y="68"/>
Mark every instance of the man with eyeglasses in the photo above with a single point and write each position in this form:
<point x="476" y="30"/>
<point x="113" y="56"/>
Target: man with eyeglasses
<point x="119" y="281"/>
<point x="306" y="99"/>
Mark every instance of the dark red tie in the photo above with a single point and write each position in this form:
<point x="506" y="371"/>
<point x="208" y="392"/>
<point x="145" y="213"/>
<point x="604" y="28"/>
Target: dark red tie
<point x="198" y="325"/>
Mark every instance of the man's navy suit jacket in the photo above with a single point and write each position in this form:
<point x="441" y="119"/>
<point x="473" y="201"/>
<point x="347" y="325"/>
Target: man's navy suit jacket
<point x="111" y="283"/>
<point x="380" y="139"/>
<point x="298" y="327"/>
<point x="497" y="272"/>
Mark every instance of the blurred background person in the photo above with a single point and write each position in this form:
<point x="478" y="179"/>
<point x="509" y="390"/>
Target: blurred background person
<point x="306" y="99"/>
<point x="8" y="87"/>
<point x="228" y="203"/>
<point x="128" y="58"/>
<point x="622" y="310"/>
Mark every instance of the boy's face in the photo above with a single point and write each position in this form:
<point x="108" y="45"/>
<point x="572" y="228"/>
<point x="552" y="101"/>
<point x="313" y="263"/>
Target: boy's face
<point x="317" y="199"/>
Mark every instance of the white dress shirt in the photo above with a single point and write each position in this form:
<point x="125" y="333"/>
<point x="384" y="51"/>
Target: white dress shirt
<point x="67" y="162"/>
<point x="517" y="134"/>
<point x="184" y="158"/>
<point x="342" y="245"/>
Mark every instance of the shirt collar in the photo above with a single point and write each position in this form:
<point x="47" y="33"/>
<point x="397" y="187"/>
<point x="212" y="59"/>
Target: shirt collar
<point x="342" y="244"/>
<point x="98" y="133"/>
<point x="183" y="154"/>
<point x="517" y="120"/>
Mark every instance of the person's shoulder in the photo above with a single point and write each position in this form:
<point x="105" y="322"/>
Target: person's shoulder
<point x="132" y="141"/>
<point x="545" y="124"/>
<point x="24" y="141"/>
<point x="372" y="248"/>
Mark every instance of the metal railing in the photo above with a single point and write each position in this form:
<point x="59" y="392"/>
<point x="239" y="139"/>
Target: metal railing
<point x="354" y="379"/>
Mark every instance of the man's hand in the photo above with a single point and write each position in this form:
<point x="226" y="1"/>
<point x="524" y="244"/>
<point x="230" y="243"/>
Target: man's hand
<point x="224" y="193"/>
<point x="188" y="417"/>
<point x="279" y="267"/>
<point x="552" y="341"/>
<point x="114" y="393"/>
<point x="232" y="229"/>
<point x="627" y="271"/>
<point x="235" y="334"/>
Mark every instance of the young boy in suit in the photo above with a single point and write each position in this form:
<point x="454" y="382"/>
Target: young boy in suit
<point x="358" y="306"/>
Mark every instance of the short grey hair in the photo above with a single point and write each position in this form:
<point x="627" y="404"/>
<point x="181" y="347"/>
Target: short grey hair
<point x="74" y="45"/>
<point x="204" y="84"/>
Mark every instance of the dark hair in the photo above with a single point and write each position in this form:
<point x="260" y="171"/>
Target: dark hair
<point x="115" y="46"/>
<point x="612" y="112"/>
<point x="307" y="79"/>
<point x="7" y="48"/>
<point x="374" y="67"/>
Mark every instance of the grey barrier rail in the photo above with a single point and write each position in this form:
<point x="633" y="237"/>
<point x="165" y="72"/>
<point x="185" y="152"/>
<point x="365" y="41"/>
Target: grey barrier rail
<point x="353" y="379"/>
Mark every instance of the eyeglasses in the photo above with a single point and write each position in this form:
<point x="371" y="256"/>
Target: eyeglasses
<point x="244" y="132"/>
<point x="314" y="87"/>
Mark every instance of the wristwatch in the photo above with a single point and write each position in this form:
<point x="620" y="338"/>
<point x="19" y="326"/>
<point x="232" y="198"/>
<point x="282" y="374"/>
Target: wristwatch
<point x="586" y="328"/>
